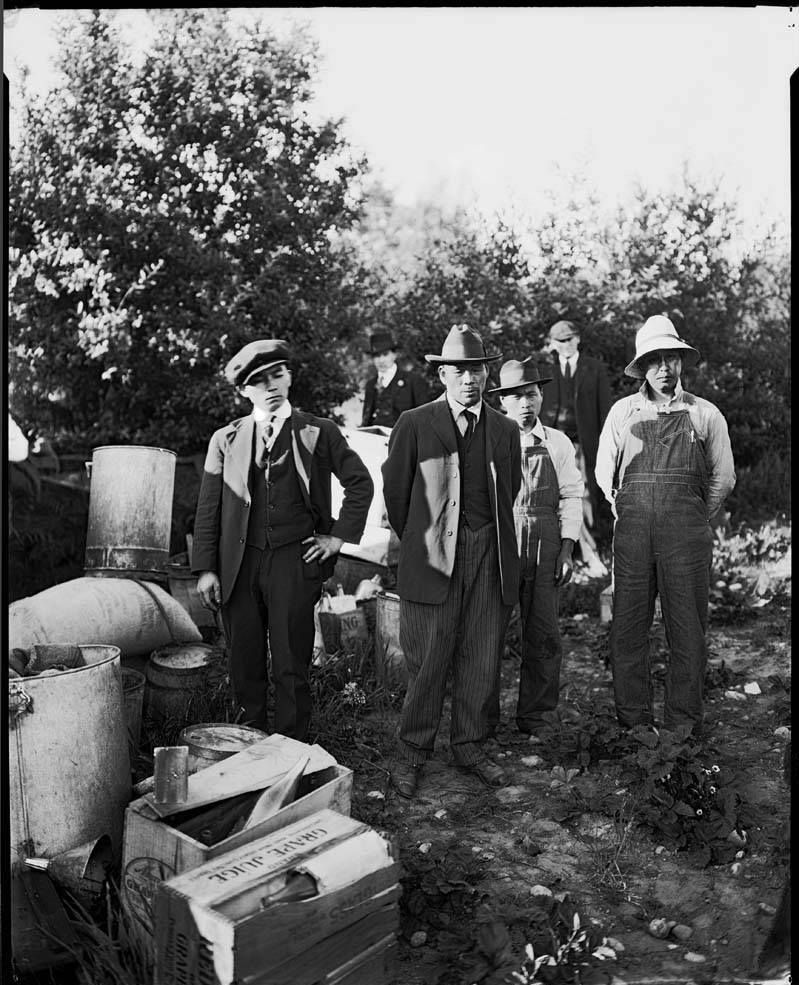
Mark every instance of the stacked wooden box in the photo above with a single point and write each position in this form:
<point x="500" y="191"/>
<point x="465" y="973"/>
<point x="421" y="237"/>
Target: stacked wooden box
<point x="241" y="919"/>
<point x="178" y="859"/>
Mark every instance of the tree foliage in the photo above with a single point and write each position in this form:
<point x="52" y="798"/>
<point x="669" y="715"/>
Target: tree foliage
<point x="677" y="253"/>
<point x="164" y="212"/>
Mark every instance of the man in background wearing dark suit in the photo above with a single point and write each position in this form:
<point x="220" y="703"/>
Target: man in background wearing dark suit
<point x="577" y="403"/>
<point x="392" y="390"/>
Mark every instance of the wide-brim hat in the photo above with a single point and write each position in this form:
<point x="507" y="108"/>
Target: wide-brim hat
<point x="381" y="341"/>
<point x="255" y="357"/>
<point x="515" y="375"/>
<point x="658" y="332"/>
<point x="462" y="345"/>
<point x="561" y="331"/>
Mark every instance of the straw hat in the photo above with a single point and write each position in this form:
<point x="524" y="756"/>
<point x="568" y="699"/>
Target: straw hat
<point x="514" y="375"/>
<point x="655" y="334"/>
<point x="462" y="345"/>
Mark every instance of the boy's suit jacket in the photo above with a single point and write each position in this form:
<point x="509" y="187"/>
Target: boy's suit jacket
<point x="421" y="488"/>
<point x="319" y="448"/>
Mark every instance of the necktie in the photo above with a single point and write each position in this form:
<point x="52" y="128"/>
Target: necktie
<point x="267" y="432"/>
<point x="567" y="373"/>
<point x="471" y="422"/>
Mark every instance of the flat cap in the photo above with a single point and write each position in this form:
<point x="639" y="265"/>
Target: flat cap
<point x="255" y="356"/>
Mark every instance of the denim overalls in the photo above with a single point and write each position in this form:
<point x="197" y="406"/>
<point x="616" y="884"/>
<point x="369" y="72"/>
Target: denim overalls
<point x="538" y="539"/>
<point x="662" y="545"/>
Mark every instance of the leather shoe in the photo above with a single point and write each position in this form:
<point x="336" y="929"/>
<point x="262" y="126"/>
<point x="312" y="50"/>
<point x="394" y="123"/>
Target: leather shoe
<point x="405" y="778"/>
<point x="487" y="772"/>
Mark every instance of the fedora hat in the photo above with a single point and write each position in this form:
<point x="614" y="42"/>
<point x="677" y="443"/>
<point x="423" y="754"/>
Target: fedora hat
<point x="462" y="345"/>
<point x="655" y="334"/>
<point x="513" y="375"/>
<point x="381" y="341"/>
<point x="254" y="357"/>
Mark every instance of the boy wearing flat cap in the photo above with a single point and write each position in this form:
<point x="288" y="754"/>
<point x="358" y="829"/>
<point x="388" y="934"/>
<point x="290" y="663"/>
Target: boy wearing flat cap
<point x="449" y="481"/>
<point x="264" y="535"/>
<point x="548" y="516"/>
<point x="391" y="390"/>
<point x="665" y="465"/>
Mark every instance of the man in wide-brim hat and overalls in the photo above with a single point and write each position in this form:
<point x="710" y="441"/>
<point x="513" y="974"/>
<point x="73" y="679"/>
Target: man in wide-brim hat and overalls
<point x="450" y="480"/>
<point x="665" y="465"/>
<point x="548" y="515"/>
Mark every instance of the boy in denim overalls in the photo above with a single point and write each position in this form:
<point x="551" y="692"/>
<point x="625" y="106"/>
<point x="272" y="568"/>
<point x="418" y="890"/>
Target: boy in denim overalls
<point x="548" y="514"/>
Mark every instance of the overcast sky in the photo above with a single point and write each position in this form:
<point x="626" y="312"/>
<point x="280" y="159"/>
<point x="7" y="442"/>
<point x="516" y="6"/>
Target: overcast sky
<point x="479" y="106"/>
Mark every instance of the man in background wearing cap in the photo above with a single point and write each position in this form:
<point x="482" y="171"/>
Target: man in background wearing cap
<point x="451" y="477"/>
<point x="665" y="465"/>
<point x="548" y="513"/>
<point x="577" y="403"/>
<point x="392" y="390"/>
<point x="264" y="535"/>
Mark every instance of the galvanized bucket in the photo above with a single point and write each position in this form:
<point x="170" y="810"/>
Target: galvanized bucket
<point x="210" y="742"/>
<point x="130" y="511"/>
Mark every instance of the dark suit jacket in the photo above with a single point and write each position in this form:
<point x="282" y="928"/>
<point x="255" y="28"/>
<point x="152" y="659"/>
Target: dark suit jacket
<point x="405" y="391"/>
<point x="319" y="448"/>
<point x="421" y="488"/>
<point x="592" y="400"/>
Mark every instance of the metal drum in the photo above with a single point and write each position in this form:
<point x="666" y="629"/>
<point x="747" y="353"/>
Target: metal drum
<point x="130" y="511"/>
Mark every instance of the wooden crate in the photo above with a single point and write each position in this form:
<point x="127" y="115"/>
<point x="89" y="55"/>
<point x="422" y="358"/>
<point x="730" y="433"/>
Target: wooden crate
<point x="154" y="851"/>
<point x="220" y="922"/>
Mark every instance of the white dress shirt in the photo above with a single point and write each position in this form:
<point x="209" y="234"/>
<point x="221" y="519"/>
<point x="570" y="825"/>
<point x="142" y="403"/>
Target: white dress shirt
<point x="458" y="408"/>
<point x="572" y="361"/>
<point x="283" y="413"/>
<point x="385" y="378"/>
<point x="570" y="482"/>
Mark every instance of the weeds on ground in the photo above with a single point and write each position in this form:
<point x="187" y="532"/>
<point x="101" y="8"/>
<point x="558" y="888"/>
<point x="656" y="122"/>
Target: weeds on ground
<point x="558" y="947"/>
<point x="354" y="712"/>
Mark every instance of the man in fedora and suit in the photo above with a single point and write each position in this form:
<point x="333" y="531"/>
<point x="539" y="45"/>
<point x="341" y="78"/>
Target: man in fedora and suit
<point x="577" y="403"/>
<point x="264" y="535"/>
<point x="450" y="480"/>
<point x="548" y="513"/>
<point x="665" y="465"/>
<point x="391" y="390"/>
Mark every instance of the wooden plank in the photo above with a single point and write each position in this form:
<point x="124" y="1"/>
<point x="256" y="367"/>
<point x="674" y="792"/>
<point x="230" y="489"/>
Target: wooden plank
<point x="276" y="796"/>
<point x="254" y="768"/>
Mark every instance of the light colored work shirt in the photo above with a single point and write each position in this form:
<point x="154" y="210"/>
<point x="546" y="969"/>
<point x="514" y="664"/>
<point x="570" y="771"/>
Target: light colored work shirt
<point x="570" y="482"/>
<point x="707" y="421"/>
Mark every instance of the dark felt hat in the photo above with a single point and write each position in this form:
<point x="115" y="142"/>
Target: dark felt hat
<point x="462" y="345"/>
<point x="513" y="375"/>
<point x="254" y="357"/>
<point x="381" y="341"/>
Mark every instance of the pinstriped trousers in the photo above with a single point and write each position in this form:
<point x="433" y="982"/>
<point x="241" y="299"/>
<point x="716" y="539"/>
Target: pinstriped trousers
<point x="465" y="634"/>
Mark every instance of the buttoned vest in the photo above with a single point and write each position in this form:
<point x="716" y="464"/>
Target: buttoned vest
<point x="475" y="501"/>
<point x="278" y="513"/>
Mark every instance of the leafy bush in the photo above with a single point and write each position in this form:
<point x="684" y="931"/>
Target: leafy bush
<point x="164" y="213"/>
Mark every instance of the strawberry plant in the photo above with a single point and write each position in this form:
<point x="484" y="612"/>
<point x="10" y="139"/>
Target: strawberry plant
<point x="686" y="803"/>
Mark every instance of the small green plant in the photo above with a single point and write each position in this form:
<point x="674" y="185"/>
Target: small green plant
<point x="440" y="893"/>
<point x="686" y="803"/>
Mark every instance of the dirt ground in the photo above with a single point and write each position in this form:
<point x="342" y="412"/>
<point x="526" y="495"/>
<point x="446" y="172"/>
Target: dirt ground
<point x="581" y="834"/>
